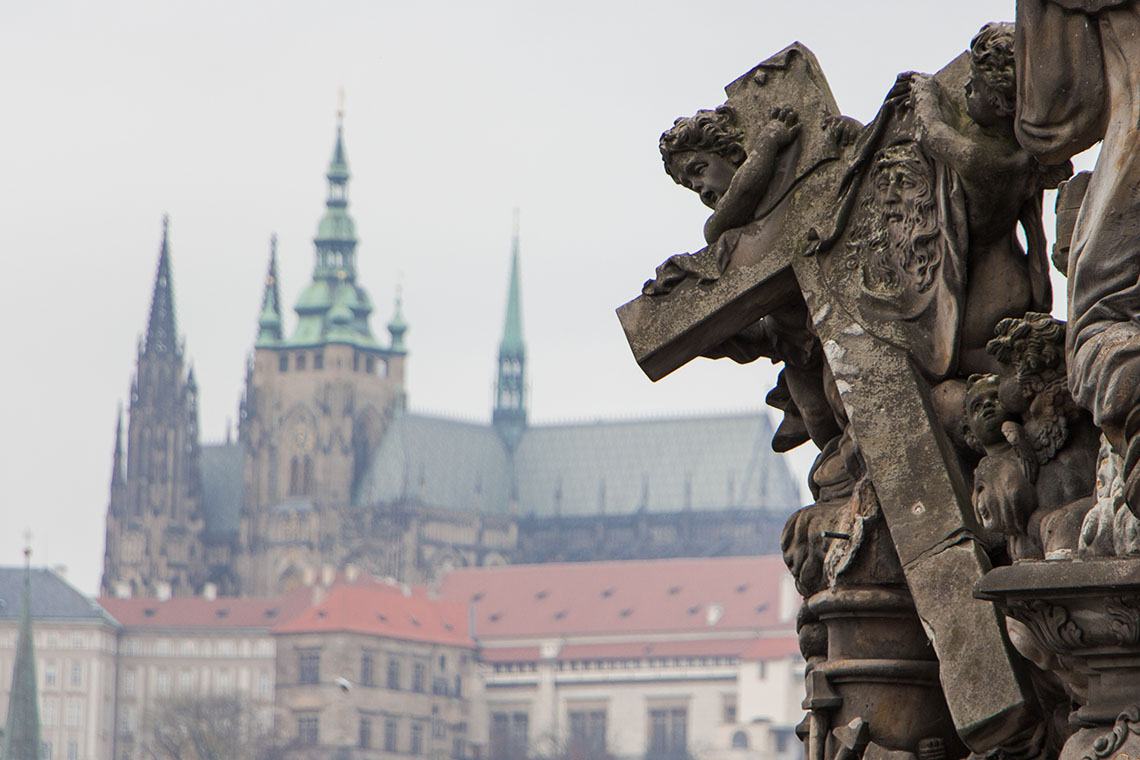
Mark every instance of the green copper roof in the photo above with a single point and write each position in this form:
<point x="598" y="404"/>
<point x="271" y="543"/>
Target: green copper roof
<point x="333" y="308"/>
<point x="398" y="326"/>
<point x="22" y="730"/>
<point x="269" y="324"/>
<point x="512" y="342"/>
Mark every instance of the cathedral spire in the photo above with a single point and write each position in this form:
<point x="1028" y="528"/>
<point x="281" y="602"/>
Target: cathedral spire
<point x="509" y="416"/>
<point x="22" y="731"/>
<point x="269" y="324"/>
<point x="117" y="478"/>
<point x="160" y="334"/>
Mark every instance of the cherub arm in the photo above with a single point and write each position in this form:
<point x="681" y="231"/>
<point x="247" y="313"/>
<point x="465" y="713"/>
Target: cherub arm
<point x="738" y="205"/>
<point x="967" y="154"/>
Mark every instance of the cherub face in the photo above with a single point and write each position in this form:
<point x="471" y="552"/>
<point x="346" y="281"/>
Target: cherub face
<point x="984" y="411"/>
<point x="706" y="174"/>
<point x="980" y="99"/>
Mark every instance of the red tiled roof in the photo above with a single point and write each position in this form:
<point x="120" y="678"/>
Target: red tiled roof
<point x="381" y="610"/>
<point x="677" y="595"/>
<point x="772" y="648"/>
<point x="199" y="612"/>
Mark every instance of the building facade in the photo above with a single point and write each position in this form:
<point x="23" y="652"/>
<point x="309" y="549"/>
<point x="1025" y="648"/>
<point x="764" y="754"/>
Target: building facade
<point x="330" y="469"/>
<point x="677" y="658"/>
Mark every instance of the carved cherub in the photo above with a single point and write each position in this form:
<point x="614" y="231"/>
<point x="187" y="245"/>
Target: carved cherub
<point x="1037" y="477"/>
<point x="1004" y="496"/>
<point x="1003" y="187"/>
<point x="706" y="154"/>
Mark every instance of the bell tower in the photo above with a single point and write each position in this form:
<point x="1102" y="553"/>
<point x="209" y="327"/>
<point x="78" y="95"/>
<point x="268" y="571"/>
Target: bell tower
<point x="316" y="403"/>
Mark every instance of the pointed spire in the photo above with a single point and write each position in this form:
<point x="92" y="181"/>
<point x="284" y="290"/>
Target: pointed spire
<point x="22" y="739"/>
<point x="398" y="326"/>
<point x="512" y="342"/>
<point x="509" y="415"/>
<point x="117" y="476"/>
<point x="269" y="324"/>
<point x="160" y="334"/>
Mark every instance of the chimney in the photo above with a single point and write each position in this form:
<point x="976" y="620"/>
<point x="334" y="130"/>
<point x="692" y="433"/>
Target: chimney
<point x="122" y="590"/>
<point x="162" y="591"/>
<point x="351" y="573"/>
<point x="210" y="591"/>
<point x="328" y="575"/>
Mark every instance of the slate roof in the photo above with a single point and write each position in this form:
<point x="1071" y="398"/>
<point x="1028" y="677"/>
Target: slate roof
<point x="53" y="598"/>
<point x="692" y="597"/>
<point x="223" y="485"/>
<point x="620" y="467"/>
<point x="441" y="462"/>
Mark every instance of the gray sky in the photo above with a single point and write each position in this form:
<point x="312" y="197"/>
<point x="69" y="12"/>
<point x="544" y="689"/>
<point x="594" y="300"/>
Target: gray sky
<point x="222" y="114"/>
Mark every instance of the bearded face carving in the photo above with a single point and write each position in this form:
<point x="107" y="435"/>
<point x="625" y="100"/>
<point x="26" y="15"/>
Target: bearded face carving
<point x="898" y="232"/>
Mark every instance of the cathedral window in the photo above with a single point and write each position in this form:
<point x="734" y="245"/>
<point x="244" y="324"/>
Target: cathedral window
<point x="294" y="477"/>
<point x="307" y="480"/>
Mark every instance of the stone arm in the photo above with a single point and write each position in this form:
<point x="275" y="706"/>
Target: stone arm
<point x="975" y="157"/>
<point x="750" y="182"/>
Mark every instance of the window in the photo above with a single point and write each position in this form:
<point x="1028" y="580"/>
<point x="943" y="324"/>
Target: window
<point x="129" y="681"/>
<point x="508" y="735"/>
<point x="417" y="739"/>
<point x="48" y="712"/>
<point x="588" y="734"/>
<point x="49" y="675"/>
<point x="163" y="684"/>
<point x="76" y="674"/>
<point x="457" y="748"/>
<point x="263" y="688"/>
<point x="318" y="360"/>
<point x="740" y="740"/>
<point x="45" y="750"/>
<point x="390" y="735"/>
<point x="458" y="687"/>
<point x="73" y="750"/>
<point x="366" y="668"/>
<point x="667" y="732"/>
<point x="365" y="732"/>
<point x="729" y="712"/>
<point x="184" y="682"/>
<point x="73" y="713"/>
<point x="283" y="363"/>
<point x="300" y="361"/>
<point x="418" y="671"/>
<point x="309" y="666"/>
<point x="308" y="730"/>
<point x="393" y="673"/>
<point x="370" y="365"/>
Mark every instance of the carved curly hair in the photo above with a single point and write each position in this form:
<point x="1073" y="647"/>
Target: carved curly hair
<point x="711" y="131"/>
<point x="991" y="57"/>
<point x="1034" y="345"/>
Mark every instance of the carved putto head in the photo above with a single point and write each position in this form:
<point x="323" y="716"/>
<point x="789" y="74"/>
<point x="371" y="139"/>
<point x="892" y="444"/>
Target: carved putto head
<point x="713" y="132"/>
<point x="992" y="90"/>
<point x="1032" y="346"/>
<point x="984" y="412"/>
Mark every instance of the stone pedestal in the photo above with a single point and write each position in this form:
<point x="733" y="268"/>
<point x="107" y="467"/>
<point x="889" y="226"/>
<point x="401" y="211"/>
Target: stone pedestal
<point x="1087" y="614"/>
<point x="879" y="686"/>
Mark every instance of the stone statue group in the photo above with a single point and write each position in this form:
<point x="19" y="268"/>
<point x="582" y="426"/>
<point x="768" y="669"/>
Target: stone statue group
<point x="971" y="563"/>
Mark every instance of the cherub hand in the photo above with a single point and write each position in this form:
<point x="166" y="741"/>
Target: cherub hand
<point x="900" y="90"/>
<point x="784" y="126"/>
<point x="843" y="130"/>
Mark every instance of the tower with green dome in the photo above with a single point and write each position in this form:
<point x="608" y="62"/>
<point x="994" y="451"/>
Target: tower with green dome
<point x="317" y="400"/>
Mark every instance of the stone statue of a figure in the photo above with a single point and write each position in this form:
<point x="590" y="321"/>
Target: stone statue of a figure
<point x="959" y="424"/>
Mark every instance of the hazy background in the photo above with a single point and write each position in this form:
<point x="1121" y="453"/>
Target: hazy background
<point x="223" y="115"/>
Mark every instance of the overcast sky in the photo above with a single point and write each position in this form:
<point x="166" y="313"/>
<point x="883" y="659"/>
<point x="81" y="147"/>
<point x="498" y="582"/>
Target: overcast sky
<point x="222" y="115"/>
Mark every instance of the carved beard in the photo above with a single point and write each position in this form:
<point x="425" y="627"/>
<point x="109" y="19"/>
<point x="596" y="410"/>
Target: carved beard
<point x="900" y="253"/>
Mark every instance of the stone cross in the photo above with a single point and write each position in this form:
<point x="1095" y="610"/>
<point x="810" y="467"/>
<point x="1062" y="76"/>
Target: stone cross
<point x="923" y="495"/>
